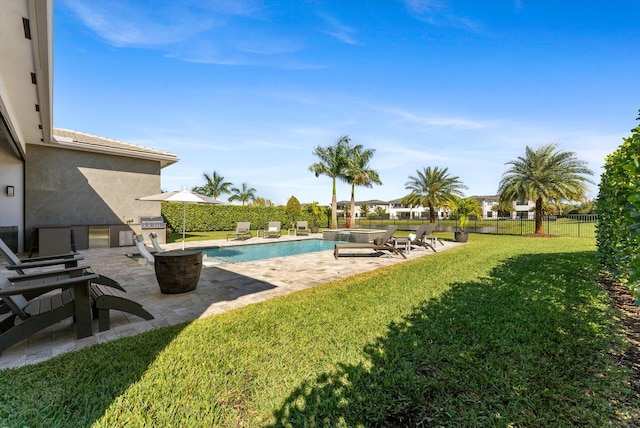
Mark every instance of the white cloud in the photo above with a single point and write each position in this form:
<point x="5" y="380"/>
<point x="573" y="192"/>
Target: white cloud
<point x="339" y="31"/>
<point x="437" y="13"/>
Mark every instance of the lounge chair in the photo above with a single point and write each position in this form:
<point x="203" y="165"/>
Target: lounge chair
<point x="385" y="243"/>
<point x="302" y="228"/>
<point x="68" y="260"/>
<point x="273" y="230"/>
<point x="423" y="237"/>
<point x="30" y="316"/>
<point x="243" y="228"/>
<point x="428" y="235"/>
<point x="139" y="241"/>
<point x="154" y="241"/>
<point x="107" y="298"/>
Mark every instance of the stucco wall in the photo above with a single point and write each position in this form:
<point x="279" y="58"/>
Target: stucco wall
<point x="71" y="187"/>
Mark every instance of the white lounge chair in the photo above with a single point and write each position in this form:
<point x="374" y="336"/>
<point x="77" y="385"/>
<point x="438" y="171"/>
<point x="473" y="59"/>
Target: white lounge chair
<point x="139" y="241"/>
<point x="273" y="230"/>
<point x="154" y="241"/>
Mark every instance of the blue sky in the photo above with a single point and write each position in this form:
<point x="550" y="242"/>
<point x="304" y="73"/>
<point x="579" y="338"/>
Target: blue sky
<point x="249" y="88"/>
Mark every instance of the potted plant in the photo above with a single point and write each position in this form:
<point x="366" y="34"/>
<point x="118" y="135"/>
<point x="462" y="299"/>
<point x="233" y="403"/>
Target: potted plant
<point x="318" y="215"/>
<point x="463" y="209"/>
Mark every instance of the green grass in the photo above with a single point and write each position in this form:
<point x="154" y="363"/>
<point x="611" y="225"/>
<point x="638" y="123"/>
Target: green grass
<point x="504" y="331"/>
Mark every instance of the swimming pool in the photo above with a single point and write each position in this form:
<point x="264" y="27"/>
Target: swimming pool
<point x="251" y="252"/>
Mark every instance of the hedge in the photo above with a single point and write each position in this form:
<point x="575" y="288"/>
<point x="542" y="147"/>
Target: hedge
<point x="206" y="218"/>
<point x="618" y="209"/>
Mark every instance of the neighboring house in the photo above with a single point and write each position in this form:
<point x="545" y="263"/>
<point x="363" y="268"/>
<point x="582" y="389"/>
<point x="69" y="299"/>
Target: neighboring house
<point x="55" y="178"/>
<point x="522" y="209"/>
<point x="397" y="210"/>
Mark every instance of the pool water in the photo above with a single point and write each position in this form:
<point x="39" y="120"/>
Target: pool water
<point x="248" y="253"/>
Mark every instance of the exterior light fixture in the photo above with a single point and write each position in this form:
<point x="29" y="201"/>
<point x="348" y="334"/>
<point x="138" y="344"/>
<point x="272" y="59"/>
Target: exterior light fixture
<point x="11" y="191"/>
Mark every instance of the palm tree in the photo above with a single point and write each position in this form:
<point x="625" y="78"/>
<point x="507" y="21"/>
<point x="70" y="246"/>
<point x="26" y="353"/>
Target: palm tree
<point x="243" y="195"/>
<point x="544" y="175"/>
<point x="214" y="186"/>
<point x="358" y="173"/>
<point x="333" y="163"/>
<point x="433" y="188"/>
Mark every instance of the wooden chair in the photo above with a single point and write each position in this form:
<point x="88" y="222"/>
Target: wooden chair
<point x="30" y="316"/>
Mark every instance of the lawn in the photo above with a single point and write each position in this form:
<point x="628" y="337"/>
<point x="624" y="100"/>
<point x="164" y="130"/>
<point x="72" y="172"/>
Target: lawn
<point x="503" y="331"/>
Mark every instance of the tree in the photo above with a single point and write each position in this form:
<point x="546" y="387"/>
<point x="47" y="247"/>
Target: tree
<point x="433" y="188"/>
<point x="380" y="212"/>
<point x="293" y="209"/>
<point x="364" y="210"/>
<point x="263" y="202"/>
<point x="214" y="186"/>
<point x="464" y="209"/>
<point x="333" y="163"/>
<point x="245" y="194"/>
<point x="544" y="175"/>
<point x="504" y="209"/>
<point x="358" y="173"/>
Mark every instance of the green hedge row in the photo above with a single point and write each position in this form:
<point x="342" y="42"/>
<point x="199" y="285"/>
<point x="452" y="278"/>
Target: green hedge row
<point x="618" y="209"/>
<point x="206" y="218"/>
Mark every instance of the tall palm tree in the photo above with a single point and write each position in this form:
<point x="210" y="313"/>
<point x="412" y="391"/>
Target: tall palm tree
<point x="358" y="173"/>
<point x="245" y="194"/>
<point x="214" y="185"/>
<point x="433" y="188"/>
<point x="333" y="163"/>
<point x="544" y="175"/>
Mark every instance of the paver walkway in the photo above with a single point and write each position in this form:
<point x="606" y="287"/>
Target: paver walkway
<point x="221" y="288"/>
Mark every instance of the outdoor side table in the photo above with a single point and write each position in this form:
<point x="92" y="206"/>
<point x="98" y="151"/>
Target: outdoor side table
<point x="178" y="271"/>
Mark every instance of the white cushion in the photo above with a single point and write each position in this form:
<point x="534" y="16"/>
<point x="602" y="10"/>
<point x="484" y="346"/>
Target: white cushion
<point x="412" y="236"/>
<point x="273" y="229"/>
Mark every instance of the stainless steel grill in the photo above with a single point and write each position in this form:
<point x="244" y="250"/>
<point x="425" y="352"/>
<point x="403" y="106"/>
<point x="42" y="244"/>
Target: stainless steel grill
<point x="152" y="223"/>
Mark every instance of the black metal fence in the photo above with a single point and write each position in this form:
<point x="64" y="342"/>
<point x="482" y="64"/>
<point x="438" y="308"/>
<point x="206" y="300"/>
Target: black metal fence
<point x="579" y="225"/>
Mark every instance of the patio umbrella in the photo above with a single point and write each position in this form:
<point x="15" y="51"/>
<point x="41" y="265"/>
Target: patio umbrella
<point x="186" y="197"/>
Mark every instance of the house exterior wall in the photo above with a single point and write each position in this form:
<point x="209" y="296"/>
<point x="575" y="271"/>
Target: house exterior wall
<point x="71" y="187"/>
<point x="11" y="207"/>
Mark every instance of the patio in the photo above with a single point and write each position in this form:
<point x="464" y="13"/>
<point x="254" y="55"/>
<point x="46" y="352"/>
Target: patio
<point x="220" y="289"/>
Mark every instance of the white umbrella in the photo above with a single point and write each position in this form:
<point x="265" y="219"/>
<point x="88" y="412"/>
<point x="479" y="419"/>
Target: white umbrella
<point x="184" y="196"/>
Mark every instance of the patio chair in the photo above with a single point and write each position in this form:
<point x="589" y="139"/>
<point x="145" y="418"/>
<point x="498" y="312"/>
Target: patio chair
<point x="243" y="228"/>
<point x="107" y="298"/>
<point x="416" y="238"/>
<point x="154" y="241"/>
<point x="428" y="235"/>
<point x="379" y="244"/>
<point x="30" y="316"/>
<point x="142" y="249"/>
<point x="68" y="260"/>
<point x="302" y="228"/>
<point x="273" y="230"/>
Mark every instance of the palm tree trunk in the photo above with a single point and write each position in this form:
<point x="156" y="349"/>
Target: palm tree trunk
<point x="539" y="216"/>
<point x="334" y="207"/>
<point x="432" y="214"/>
<point x="352" y="221"/>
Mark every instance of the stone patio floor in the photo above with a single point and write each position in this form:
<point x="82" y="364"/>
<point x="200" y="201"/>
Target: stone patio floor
<point x="221" y="288"/>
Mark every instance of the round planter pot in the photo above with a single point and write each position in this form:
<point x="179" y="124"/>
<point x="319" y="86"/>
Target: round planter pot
<point x="460" y="236"/>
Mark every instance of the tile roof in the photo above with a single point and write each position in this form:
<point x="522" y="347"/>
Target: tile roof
<point x="93" y="143"/>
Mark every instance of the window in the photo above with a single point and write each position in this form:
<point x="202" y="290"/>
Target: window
<point x="489" y="214"/>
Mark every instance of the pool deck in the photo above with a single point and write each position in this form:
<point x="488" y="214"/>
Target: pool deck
<point x="220" y="289"/>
